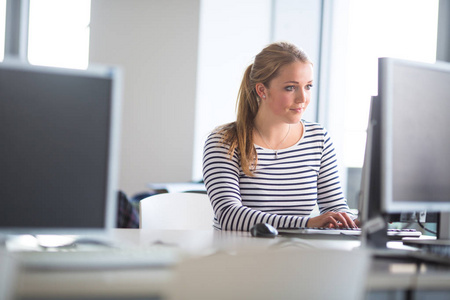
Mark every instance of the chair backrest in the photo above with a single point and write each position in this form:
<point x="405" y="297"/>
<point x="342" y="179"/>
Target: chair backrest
<point x="176" y="211"/>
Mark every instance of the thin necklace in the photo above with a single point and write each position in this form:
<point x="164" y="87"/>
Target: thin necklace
<point x="275" y="150"/>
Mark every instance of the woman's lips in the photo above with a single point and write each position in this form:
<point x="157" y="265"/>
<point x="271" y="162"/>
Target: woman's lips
<point x="298" y="109"/>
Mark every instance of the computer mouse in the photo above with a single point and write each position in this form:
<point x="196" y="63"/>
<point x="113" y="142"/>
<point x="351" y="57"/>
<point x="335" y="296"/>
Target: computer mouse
<point x="263" y="230"/>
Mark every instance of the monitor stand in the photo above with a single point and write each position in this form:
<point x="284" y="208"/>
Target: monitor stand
<point x="374" y="233"/>
<point x="444" y="226"/>
<point x="434" y="250"/>
<point x="441" y="245"/>
<point x="417" y="250"/>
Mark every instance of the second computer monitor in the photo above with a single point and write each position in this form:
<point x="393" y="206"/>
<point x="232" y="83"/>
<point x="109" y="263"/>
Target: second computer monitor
<point x="59" y="131"/>
<point x="415" y="128"/>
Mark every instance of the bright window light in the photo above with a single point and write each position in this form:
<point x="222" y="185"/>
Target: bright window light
<point x="2" y="28"/>
<point x="405" y="29"/>
<point x="59" y="33"/>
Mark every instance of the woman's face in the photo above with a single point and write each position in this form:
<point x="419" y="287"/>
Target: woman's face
<point x="288" y="94"/>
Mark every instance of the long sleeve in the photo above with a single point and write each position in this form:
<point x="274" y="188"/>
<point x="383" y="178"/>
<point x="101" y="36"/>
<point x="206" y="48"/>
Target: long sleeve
<point x="329" y="191"/>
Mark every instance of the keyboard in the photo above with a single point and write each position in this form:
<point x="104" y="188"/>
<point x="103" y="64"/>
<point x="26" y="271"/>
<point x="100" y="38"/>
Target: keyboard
<point x="113" y="258"/>
<point x="392" y="233"/>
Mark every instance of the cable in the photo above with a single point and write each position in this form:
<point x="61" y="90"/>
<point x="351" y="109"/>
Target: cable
<point x="423" y="226"/>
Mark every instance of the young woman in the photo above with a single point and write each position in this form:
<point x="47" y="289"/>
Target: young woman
<point x="270" y="165"/>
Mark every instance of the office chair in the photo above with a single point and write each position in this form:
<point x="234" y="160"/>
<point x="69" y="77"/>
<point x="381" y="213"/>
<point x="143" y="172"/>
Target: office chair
<point x="176" y="211"/>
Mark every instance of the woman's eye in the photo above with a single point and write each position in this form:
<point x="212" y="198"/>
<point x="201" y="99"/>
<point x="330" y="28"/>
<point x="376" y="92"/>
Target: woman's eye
<point x="309" y="86"/>
<point x="290" y="88"/>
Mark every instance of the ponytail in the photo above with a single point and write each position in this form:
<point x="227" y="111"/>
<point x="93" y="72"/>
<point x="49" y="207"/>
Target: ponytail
<point x="239" y="134"/>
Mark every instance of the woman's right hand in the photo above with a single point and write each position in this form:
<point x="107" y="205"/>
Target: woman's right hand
<point x="332" y="220"/>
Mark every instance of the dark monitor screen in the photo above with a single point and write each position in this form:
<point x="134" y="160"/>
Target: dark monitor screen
<point x="58" y="139"/>
<point x="415" y="143"/>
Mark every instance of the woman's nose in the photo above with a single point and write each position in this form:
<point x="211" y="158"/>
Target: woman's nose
<point x="300" y="97"/>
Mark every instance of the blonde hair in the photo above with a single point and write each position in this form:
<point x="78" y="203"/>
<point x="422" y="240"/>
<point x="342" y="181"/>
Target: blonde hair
<point x="239" y="134"/>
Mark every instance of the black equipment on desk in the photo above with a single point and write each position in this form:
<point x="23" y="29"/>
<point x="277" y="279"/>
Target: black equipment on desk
<point x="59" y="131"/>
<point x="406" y="165"/>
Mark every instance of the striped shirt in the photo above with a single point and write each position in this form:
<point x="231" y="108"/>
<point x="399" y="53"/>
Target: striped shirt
<point x="283" y="190"/>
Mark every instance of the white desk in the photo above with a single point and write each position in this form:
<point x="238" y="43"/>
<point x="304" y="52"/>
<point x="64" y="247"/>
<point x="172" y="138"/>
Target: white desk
<point x="383" y="275"/>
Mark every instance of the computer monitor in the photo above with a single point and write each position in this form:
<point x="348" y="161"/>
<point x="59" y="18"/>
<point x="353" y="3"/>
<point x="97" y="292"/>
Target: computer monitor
<point x="415" y="122"/>
<point x="59" y="131"/>
<point x="406" y="167"/>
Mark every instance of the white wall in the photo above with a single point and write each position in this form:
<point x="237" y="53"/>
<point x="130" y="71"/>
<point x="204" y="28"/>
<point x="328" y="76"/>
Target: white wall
<point x="155" y="42"/>
<point x="169" y="107"/>
<point x="232" y="32"/>
<point x="299" y="22"/>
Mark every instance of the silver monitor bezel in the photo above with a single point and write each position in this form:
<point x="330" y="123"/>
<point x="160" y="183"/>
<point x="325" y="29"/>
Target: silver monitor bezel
<point x="385" y="94"/>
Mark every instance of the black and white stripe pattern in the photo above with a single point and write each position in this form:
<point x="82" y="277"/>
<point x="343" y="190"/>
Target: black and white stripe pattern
<point x="283" y="191"/>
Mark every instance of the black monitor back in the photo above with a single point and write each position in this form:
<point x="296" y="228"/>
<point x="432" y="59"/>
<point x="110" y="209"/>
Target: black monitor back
<point x="58" y="139"/>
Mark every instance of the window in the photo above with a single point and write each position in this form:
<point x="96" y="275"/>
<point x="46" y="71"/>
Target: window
<point x="59" y="33"/>
<point x="408" y="30"/>
<point x="2" y="28"/>
<point x="364" y="31"/>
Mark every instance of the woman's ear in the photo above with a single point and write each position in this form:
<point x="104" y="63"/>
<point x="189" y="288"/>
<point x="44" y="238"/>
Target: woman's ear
<point x="261" y="90"/>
